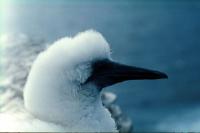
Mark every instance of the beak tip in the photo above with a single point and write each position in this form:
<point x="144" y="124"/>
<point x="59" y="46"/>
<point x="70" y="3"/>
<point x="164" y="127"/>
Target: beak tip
<point x="163" y="76"/>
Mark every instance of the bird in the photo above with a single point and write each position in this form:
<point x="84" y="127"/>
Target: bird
<point x="63" y="89"/>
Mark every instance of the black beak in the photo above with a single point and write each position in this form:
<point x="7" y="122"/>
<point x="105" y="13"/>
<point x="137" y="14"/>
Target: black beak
<point x="106" y="73"/>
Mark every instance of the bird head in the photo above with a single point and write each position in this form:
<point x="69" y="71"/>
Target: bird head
<point x="73" y="71"/>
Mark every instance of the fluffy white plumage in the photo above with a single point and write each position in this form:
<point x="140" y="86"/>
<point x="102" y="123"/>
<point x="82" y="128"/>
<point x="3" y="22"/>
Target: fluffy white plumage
<point x="53" y="97"/>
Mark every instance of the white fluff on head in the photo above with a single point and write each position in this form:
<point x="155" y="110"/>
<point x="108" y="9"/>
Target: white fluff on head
<point x="53" y="91"/>
<point x="85" y="46"/>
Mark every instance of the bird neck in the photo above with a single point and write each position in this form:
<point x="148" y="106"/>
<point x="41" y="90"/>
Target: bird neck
<point x="64" y="103"/>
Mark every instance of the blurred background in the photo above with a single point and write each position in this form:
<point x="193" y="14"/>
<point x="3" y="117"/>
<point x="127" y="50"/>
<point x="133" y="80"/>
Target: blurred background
<point x="156" y="34"/>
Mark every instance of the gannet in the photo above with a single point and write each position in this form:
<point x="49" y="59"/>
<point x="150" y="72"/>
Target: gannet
<point x="64" y="86"/>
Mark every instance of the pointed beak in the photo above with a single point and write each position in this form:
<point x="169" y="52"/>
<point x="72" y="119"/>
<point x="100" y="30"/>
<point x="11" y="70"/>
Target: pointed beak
<point x="106" y="73"/>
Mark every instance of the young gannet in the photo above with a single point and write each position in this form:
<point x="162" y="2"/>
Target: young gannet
<point x="63" y="89"/>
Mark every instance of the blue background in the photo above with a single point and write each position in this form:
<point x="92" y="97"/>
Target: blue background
<point x="160" y="35"/>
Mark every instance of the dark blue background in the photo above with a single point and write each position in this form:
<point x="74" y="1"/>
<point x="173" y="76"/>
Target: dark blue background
<point x="160" y="35"/>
